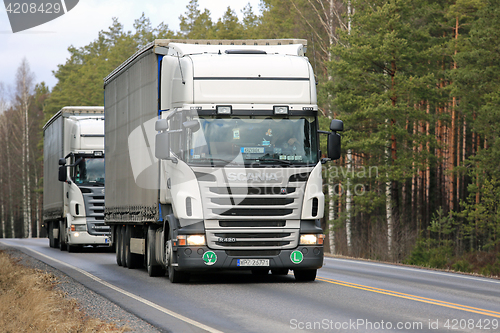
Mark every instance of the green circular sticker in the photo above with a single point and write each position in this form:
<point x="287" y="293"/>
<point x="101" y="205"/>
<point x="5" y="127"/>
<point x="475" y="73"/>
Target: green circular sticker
<point x="209" y="258"/>
<point x="296" y="257"/>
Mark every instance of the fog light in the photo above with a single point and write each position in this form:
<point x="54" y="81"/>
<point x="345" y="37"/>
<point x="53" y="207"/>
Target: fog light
<point x="76" y="234"/>
<point x="224" y="109"/>
<point x="280" y="109"/>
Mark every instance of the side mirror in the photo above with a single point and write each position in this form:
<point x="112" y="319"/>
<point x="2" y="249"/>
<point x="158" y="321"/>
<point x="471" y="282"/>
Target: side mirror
<point x="162" y="146"/>
<point x="334" y="146"/>
<point x="161" y="125"/>
<point x="62" y="161"/>
<point x="336" y="125"/>
<point x="62" y="172"/>
<point x="194" y="125"/>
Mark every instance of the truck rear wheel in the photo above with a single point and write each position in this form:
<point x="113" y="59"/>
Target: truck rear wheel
<point x="50" y="229"/>
<point x="174" y="275"/>
<point x="305" y="275"/>
<point x="154" y="269"/>
<point x="133" y="260"/>
<point x="118" y="245"/>
<point x="122" y="245"/>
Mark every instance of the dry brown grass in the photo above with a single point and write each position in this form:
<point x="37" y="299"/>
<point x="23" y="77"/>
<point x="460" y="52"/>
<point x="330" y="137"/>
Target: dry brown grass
<point x="30" y="303"/>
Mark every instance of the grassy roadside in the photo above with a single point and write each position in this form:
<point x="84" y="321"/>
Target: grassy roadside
<point x="29" y="302"/>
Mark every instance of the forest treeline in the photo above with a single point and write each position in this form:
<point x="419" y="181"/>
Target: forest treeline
<point x="415" y="82"/>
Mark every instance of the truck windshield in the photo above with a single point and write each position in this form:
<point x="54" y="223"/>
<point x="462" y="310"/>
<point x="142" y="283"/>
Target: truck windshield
<point x="90" y="170"/>
<point x="253" y="140"/>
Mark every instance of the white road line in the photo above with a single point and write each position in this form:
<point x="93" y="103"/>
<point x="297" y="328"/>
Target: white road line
<point x="137" y="298"/>
<point x="421" y="270"/>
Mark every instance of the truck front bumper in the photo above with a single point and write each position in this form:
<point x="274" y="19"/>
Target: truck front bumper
<point x="202" y="258"/>
<point x="83" y="238"/>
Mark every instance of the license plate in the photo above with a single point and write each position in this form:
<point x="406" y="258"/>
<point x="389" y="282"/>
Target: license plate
<point x="252" y="150"/>
<point x="253" y="262"/>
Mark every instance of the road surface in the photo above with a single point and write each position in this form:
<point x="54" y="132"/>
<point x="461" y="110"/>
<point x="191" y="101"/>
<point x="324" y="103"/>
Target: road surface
<point x="347" y="296"/>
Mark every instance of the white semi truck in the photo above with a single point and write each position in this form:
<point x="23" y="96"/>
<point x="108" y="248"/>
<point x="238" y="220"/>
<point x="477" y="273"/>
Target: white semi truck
<point x="73" y="186"/>
<point x="213" y="159"/>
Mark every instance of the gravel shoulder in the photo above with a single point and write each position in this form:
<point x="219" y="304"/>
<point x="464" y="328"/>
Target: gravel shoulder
<point x="91" y="303"/>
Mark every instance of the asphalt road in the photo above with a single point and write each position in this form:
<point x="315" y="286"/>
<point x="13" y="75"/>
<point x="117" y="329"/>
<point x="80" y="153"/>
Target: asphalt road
<point x="347" y="296"/>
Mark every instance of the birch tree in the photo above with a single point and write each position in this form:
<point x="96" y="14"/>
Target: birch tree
<point x="3" y="108"/>
<point x="24" y="92"/>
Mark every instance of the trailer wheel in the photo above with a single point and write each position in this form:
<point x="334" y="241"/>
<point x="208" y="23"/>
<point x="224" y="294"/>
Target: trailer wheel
<point x="174" y="275"/>
<point x="133" y="260"/>
<point x="118" y="245"/>
<point x="305" y="275"/>
<point x="122" y="246"/>
<point x="50" y="228"/>
<point x="154" y="269"/>
<point x="56" y="240"/>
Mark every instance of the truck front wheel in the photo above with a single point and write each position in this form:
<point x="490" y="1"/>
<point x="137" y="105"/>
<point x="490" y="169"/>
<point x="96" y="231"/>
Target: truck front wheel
<point x="62" y="235"/>
<point x="305" y="275"/>
<point x="154" y="269"/>
<point x="174" y="275"/>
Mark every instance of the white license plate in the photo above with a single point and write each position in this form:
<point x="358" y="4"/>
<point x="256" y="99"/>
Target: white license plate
<point x="253" y="262"/>
<point x="253" y="150"/>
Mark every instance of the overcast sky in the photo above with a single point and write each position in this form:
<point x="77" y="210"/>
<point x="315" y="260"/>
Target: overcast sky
<point x="46" y="45"/>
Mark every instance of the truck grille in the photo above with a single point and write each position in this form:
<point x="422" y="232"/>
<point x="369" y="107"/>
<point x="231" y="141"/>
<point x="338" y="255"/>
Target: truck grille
<point x="249" y="239"/>
<point x="252" y="202"/>
<point x="94" y="210"/>
<point x="250" y="217"/>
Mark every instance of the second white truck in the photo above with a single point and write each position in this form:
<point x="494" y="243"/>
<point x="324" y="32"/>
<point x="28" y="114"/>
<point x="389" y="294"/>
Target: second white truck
<point x="73" y="190"/>
<point x="213" y="158"/>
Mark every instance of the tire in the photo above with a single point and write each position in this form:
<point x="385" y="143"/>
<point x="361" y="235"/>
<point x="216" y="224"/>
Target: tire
<point x="122" y="245"/>
<point x="118" y="245"/>
<point x="50" y="228"/>
<point x="154" y="269"/>
<point x="305" y="275"/>
<point x="56" y="240"/>
<point x="62" y="236"/>
<point x="133" y="260"/>
<point x="174" y="275"/>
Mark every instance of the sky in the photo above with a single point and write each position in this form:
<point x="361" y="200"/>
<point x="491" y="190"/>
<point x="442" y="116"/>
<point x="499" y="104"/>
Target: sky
<point x="46" y="46"/>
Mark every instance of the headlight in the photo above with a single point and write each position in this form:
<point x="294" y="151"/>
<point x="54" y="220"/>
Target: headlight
<point x="191" y="240"/>
<point x="311" y="239"/>
<point x="78" y="227"/>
